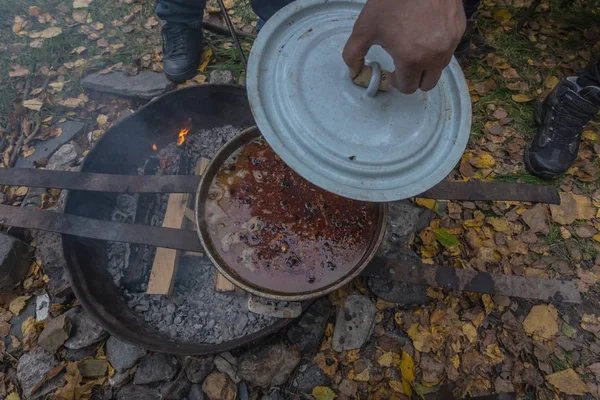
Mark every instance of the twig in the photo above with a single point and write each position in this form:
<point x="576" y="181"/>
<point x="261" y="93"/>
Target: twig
<point x="16" y="150"/>
<point x="223" y="29"/>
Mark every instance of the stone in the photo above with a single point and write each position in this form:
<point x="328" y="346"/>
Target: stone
<point x="144" y="85"/>
<point x="71" y="130"/>
<point x="393" y="341"/>
<point x="196" y="392"/>
<point x="218" y="386"/>
<point x="158" y="367"/>
<point x="85" y="332"/>
<point x="93" y="368"/>
<point x="402" y="293"/>
<point x="134" y="392"/>
<point x="354" y="323"/>
<point x="32" y="368"/>
<point x="177" y="389"/>
<point x="49" y="249"/>
<point x="121" y="355"/>
<point x="119" y="379"/>
<point x="15" y="260"/>
<point x="403" y="218"/>
<point x="55" y="334"/>
<point x="308" y="332"/>
<point x="269" y="365"/>
<point x="310" y="376"/>
<point x="225" y="367"/>
<point x="65" y="156"/>
<point x="79" y="354"/>
<point x="42" y="307"/>
<point x="221" y="77"/>
<point x="199" y="368"/>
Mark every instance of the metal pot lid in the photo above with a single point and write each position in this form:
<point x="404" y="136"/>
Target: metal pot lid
<point x="383" y="147"/>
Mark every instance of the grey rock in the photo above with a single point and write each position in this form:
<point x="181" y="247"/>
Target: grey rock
<point x="55" y="334"/>
<point x="225" y="367"/>
<point x="64" y="157"/>
<point x="274" y="394"/>
<point x="93" y="368"/>
<point x="218" y="386"/>
<point x="15" y="260"/>
<point x="42" y="307"/>
<point x="71" y="130"/>
<point x="354" y="323"/>
<point x="145" y="85"/>
<point x="199" y="368"/>
<point x="403" y="218"/>
<point x="121" y="355"/>
<point x="177" y="389"/>
<point x="85" y="332"/>
<point x="158" y="367"/>
<point x="49" y="249"/>
<point x="32" y="368"/>
<point x="134" y="392"/>
<point x="269" y="365"/>
<point x="221" y="77"/>
<point x="308" y="332"/>
<point x="119" y="379"/>
<point x="79" y="354"/>
<point x="309" y="377"/>
<point x="196" y="392"/>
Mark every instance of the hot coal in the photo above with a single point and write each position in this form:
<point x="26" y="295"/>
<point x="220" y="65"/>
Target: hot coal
<point x="195" y="312"/>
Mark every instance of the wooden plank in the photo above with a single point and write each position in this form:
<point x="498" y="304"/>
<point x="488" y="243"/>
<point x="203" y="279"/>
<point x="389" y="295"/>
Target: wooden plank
<point x="166" y="261"/>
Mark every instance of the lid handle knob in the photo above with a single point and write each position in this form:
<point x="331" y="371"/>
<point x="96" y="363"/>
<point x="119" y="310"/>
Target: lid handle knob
<point x="374" y="78"/>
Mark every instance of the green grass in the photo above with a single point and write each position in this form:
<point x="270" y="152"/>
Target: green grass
<point x="520" y="177"/>
<point x="553" y="237"/>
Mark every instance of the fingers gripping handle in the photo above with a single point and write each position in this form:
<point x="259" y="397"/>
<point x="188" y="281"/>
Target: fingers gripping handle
<point x="374" y="78"/>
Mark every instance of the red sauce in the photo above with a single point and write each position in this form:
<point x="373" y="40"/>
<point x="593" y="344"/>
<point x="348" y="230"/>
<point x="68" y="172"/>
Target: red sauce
<point x="279" y="231"/>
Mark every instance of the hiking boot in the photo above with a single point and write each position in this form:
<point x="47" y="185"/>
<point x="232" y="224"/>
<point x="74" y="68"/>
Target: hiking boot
<point x="561" y="118"/>
<point x="181" y="50"/>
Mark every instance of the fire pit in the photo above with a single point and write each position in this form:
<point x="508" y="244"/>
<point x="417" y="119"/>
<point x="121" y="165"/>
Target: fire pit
<point x="127" y="312"/>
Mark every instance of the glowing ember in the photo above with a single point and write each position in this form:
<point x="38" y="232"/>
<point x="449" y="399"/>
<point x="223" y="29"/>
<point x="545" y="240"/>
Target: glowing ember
<point x="181" y="137"/>
<point x="154" y="147"/>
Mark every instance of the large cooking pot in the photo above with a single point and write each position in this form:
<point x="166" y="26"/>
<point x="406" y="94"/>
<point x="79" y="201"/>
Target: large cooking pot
<point x="229" y="271"/>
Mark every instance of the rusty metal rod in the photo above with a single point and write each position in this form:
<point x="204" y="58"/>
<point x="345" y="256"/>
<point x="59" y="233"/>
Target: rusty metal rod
<point x="236" y="41"/>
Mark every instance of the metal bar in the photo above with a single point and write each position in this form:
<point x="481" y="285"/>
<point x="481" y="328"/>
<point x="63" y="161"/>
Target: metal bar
<point x="473" y="191"/>
<point x="473" y="281"/>
<point x="493" y="191"/>
<point x="99" y="182"/>
<point x="69" y="224"/>
<point x="236" y="41"/>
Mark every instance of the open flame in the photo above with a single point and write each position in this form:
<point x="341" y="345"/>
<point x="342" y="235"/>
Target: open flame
<point x="181" y="137"/>
<point x="154" y="147"/>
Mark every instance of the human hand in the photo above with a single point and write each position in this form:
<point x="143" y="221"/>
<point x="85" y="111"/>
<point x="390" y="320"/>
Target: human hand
<point x="420" y="35"/>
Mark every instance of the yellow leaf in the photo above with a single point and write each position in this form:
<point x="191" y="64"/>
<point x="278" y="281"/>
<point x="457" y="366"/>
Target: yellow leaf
<point x="102" y="119"/>
<point x="206" y="55"/>
<point x="429" y="203"/>
<point x="521" y="98"/>
<point x="407" y="367"/>
<point x="18" y="72"/>
<point x="434" y="293"/>
<point x="33" y="104"/>
<point x="327" y="362"/>
<point x="228" y="4"/>
<point x="499" y="224"/>
<point x="503" y="15"/>
<point x="18" y="304"/>
<point x="436" y="316"/>
<point x="46" y="33"/>
<point x="13" y="396"/>
<point x="483" y="160"/>
<point x="78" y="50"/>
<point x="455" y="360"/>
<point x="364" y="376"/>
<point x="494" y="354"/>
<point x="398" y="317"/>
<point x="470" y="332"/>
<point x="323" y="393"/>
<point x="551" y="82"/>
<point x="591" y="323"/>
<point x="396" y="386"/>
<point x="590" y="135"/>
<point x="29" y="152"/>
<point x="488" y="303"/>
<point x="384" y="305"/>
<point x="81" y="3"/>
<point x="72" y="102"/>
<point x="541" y="321"/>
<point x="567" y="381"/>
<point x="21" y="191"/>
<point x="572" y="207"/>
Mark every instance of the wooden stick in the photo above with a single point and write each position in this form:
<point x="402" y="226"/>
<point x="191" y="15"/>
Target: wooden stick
<point x="166" y="261"/>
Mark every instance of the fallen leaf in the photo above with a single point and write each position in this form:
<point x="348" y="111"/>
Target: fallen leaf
<point x="102" y="119"/>
<point x="47" y="33"/>
<point x="494" y="354"/>
<point x="590" y="135"/>
<point x="470" y="332"/>
<point x="57" y="86"/>
<point x="228" y="4"/>
<point x="21" y="191"/>
<point x="82" y="3"/>
<point x="29" y="152"/>
<point x="535" y="218"/>
<point x="206" y="55"/>
<point x="78" y="50"/>
<point x="551" y="82"/>
<point x="102" y="43"/>
<point x="541" y="321"/>
<point x="483" y="160"/>
<point x="152" y="22"/>
<point x="18" y="25"/>
<point x="114" y="48"/>
<point x="18" y="304"/>
<point x="407" y="367"/>
<point x="4" y="329"/>
<point x="446" y="238"/>
<point x="18" y="72"/>
<point x="98" y="26"/>
<point x="34" y="11"/>
<point x="572" y="207"/>
<point x="433" y="205"/>
<point x="488" y="303"/>
<point x="36" y="44"/>
<point x="80" y="16"/>
<point x="521" y="98"/>
<point x="567" y="381"/>
<point x="503" y="15"/>
<point x="499" y="224"/>
<point x="72" y="102"/>
<point x="510" y="73"/>
<point x="323" y="393"/>
<point x="591" y="323"/>
<point x="568" y="330"/>
<point x="327" y="362"/>
<point x="396" y="385"/>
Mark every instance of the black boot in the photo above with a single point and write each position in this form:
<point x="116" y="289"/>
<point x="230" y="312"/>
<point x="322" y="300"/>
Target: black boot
<point x="181" y="50"/>
<point x="561" y="118"/>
